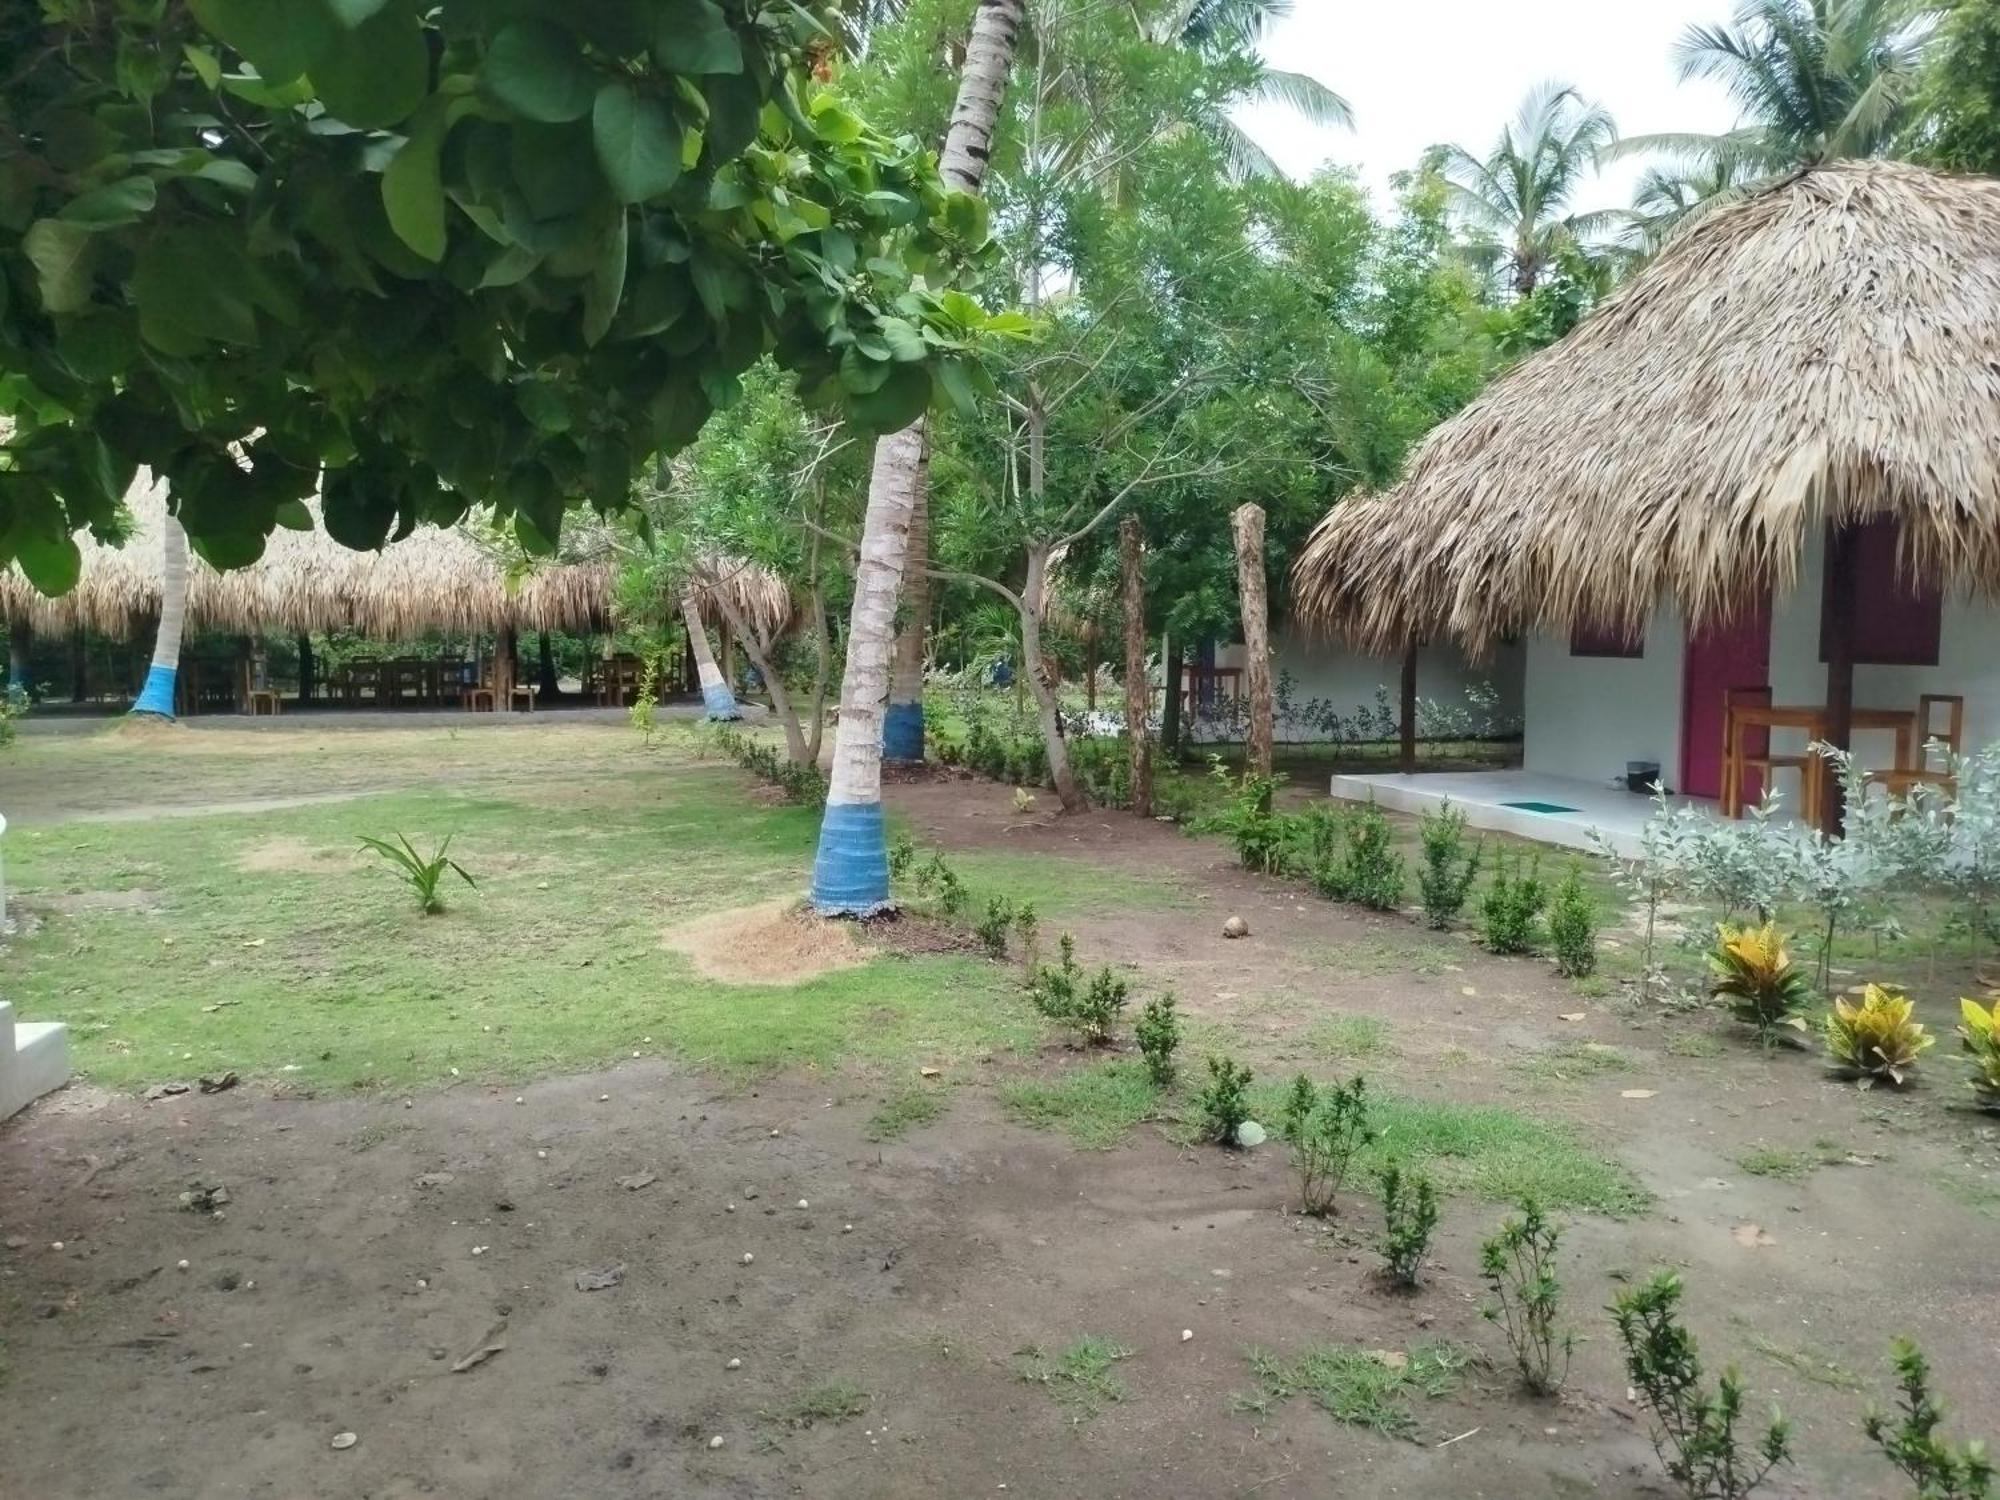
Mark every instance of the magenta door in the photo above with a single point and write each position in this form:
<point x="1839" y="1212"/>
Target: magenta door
<point x="1732" y="653"/>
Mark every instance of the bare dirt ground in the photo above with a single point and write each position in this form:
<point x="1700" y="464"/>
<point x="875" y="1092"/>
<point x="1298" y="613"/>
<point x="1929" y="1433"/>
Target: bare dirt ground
<point x="372" y="1243"/>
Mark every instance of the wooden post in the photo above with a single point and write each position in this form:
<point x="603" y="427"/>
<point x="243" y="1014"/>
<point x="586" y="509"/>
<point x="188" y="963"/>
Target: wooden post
<point x="1247" y="523"/>
<point x="79" y="667"/>
<point x="1170" y="709"/>
<point x="1138" y="692"/>
<point x="1410" y="709"/>
<point x="1839" y="635"/>
<point x="550" y="683"/>
<point x="20" y="638"/>
<point x="308" y="669"/>
<point x="506" y="670"/>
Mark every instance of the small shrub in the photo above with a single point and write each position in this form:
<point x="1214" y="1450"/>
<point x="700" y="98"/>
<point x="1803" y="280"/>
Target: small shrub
<point x="1911" y="1443"/>
<point x="1573" y="927"/>
<point x="1028" y="930"/>
<point x="1024" y="800"/>
<point x="1512" y="905"/>
<point x="1375" y="875"/>
<point x="1262" y="837"/>
<point x="1096" y="1018"/>
<point x="1327" y="1128"/>
<point x="1756" y="976"/>
<point x="422" y="873"/>
<point x="902" y="856"/>
<point x="1449" y="867"/>
<point x="995" y="925"/>
<point x="938" y="879"/>
<point x="1159" y="1034"/>
<point x="1224" y="1101"/>
<point x="1694" y="1431"/>
<point x="1055" y="987"/>
<point x="1979" y="1036"/>
<point x="1876" y="1039"/>
<point x="1409" y="1219"/>
<point x="1091" y="1009"/>
<point x="1519" y="1267"/>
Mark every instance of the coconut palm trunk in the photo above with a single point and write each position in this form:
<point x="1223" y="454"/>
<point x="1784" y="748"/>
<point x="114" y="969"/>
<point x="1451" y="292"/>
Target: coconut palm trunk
<point x="851" y="873"/>
<point x="20" y="638"/>
<point x="156" y="699"/>
<point x="715" y="693"/>
<point x="903" y="720"/>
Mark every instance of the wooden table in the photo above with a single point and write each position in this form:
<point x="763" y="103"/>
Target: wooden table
<point x="1812" y="718"/>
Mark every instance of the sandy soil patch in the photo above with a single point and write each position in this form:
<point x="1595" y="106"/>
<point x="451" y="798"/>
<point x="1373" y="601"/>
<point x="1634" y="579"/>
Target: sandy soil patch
<point x="773" y="943"/>
<point x="290" y="856"/>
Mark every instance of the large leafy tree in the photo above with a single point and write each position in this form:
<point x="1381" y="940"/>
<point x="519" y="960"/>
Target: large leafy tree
<point x="1516" y="197"/>
<point x="1957" y="123"/>
<point x="1816" y="80"/>
<point x="422" y="254"/>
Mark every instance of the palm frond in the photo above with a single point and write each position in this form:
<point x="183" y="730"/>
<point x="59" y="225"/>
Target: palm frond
<point x="1305" y="96"/>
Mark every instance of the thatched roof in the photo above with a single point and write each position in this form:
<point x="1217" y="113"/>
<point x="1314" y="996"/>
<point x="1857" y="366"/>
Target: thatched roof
<point x="437" y="579"/>
<point x="1826" y="349"/>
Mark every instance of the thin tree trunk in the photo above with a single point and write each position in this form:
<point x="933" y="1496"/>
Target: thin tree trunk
<point x="79" y="667"/>
<point x="1409" y="709"/>
<point x="903" y="722"/>
<point x="506" y="669"/>
<point x="1090" y="667"/>
<point x="1048" y="710"/>
<point x="1247" y="523"/>
<point x="307" y="669"/>
<point x="20" y="639"/>
<point x="1138" y="693"/>
<point x="157" y="697"/>
<point x="715" y="693"/>
<point x="781" y="699"/>
<point x="545" y="650"/>
<point x="822" y="655"/>
<point x="851" y="873"/>
<point x="1170" y="706"/>
<point x="1839" y="596"/>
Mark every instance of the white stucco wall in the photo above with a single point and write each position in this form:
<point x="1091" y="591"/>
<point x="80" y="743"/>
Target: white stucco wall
<point x="1587" y="716"/>
<point x="1348" y="679"/>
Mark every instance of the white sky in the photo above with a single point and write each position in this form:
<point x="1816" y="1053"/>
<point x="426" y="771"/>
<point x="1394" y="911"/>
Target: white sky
<point x="1420" y="72"/>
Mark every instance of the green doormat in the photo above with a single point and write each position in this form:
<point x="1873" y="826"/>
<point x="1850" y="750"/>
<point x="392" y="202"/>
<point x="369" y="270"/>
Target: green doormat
<point x="1541" y="807"/>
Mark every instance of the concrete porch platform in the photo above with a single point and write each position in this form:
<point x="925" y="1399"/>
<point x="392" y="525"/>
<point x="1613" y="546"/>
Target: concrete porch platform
<point x="1491" y="800"/>
<point x="34" y="1058"/>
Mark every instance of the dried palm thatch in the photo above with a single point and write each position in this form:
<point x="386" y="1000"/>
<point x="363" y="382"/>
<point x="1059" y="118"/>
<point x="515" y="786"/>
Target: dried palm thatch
<point x="1824" y="351"/>
<point x="457" y="580"/>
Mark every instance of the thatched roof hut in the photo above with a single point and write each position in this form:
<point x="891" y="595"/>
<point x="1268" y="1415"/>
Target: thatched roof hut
<point x="1822" y="352"/>
<point x="448" y="580"/>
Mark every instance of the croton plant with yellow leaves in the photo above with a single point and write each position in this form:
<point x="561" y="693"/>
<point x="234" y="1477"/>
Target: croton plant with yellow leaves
<point x="1979" y="1035"/>
<point x="1755" y="974"/>
<point x="1876" y="1039"/>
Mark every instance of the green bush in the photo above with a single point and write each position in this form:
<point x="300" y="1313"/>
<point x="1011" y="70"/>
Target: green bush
<point x="1028" y="930"/>
<point x="1091" y="1009"/>
<point x="902" y="856"/>
<point x="1694" y="1431"/>
<point x="995" y="925"/>
<point x="1939" y="1470"/>
<point x="936" y="878"/>
<point x="1449" y="869"/>
<point x="1409" y="1219"/>
<point x="1224" y="1101"/>
<point x="1519" y="1267"/>
<point x="1573" y="926"/>
<point x="1511" y="909"/>
<point x="1159" y="1034"/>
<point x="1327" y="1127"/>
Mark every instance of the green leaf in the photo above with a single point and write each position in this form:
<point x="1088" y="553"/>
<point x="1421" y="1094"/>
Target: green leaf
<point x="638" y="142"/>
<point x="294" y="515"/>
<point x="60" y="253"/>
<point x="233" y="175"/>
<point x="906" y="344"/>
<point x="899" y="402"/>
<point x="190" y="285"/>
<point x="693" y="36"/>
<point x="539" y="73"/>
<point x="606" y="285"/>
<point x="412" y="193"/>
<point x="352" y="13"/>
<point x="281" y="38"/>
<point x="376" y="74"/>
<point x="733" y="106"/>
<point x="125" y="201"/>
<point x="53" y="563"/>
<point x="207" y="66"/>
<point x="223" y="551"/>
<point x="961" y="380"/>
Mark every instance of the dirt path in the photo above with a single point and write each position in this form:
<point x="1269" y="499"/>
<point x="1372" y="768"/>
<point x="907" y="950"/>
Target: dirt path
<point x="339" y="1285"/>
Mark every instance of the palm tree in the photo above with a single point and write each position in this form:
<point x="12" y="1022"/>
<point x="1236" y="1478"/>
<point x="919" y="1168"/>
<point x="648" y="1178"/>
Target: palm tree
<point x="1667" y="197"/>
<point x="1818" y="80"/>
<point x="1235" y="28"/>
<point x="156" y="699"/>
<point x="851" y="870"/>
<point x="716" y="696"/>
<point x="1519" y="191"/>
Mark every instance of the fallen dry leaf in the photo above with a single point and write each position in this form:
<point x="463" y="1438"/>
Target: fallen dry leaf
<point x="492" y="1344"/>
<point x="1467" y="990"/>
<point x="1637" y="1093"/>
<point x="930" y="1072"/>
<point x="637" y="1180"/>
<point x="1571" y="1015"/>
<point x="1395" y="1359"/>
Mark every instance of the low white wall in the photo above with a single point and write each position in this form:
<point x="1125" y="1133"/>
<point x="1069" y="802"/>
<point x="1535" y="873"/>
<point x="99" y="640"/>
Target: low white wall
<point x="1589" y="715"/>
<point x="1348" y="680"/>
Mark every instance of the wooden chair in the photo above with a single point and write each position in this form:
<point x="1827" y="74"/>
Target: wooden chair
<point x="1737" y="757"/>
<point x="1919" y="771"/>
<point x="521" y="692"/>
<point x="262" y="700"/>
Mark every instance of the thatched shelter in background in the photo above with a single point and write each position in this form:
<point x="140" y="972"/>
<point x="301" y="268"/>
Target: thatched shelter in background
<point x="445" y="580"/>
<point x="1800" y="394"/>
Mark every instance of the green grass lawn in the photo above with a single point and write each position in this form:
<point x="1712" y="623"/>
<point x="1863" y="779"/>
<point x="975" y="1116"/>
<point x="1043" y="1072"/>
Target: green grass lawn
<point x="266" y="943"/>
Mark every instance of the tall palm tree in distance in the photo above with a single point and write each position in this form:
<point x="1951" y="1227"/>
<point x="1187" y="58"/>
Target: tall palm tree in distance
<point x="1518" y="194"/>
<point x="1667" y="197"/>
<point x="1218" y="28"/>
